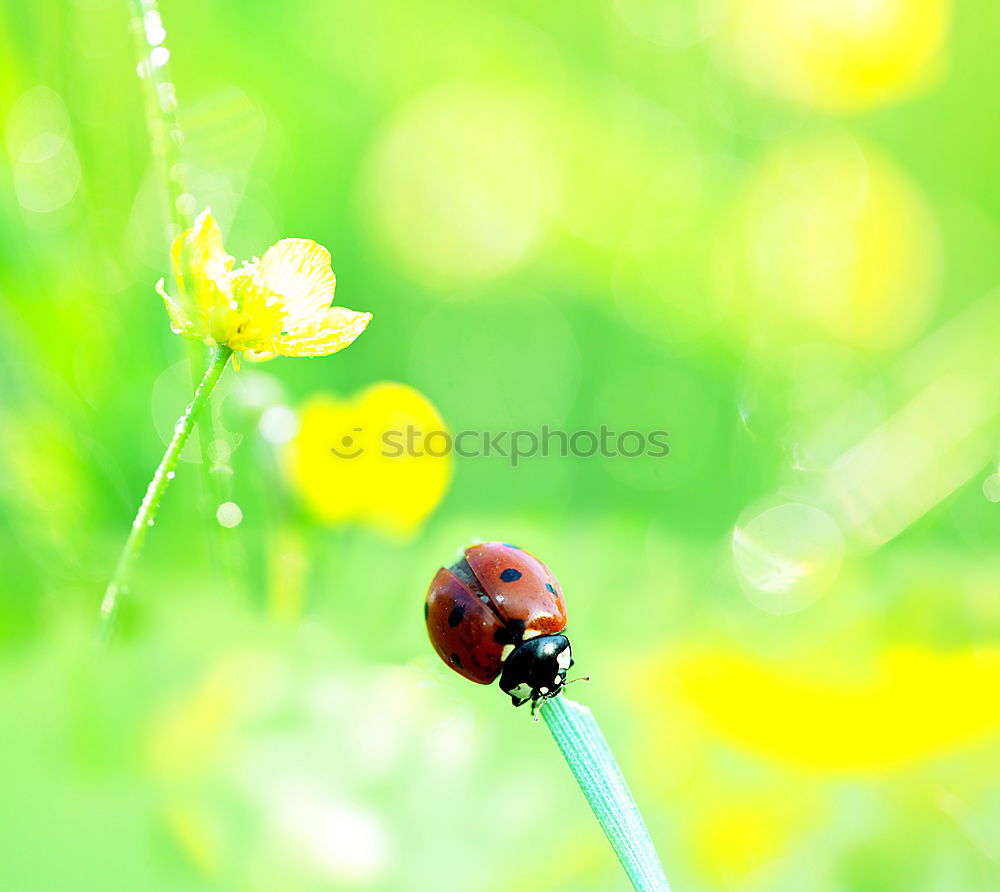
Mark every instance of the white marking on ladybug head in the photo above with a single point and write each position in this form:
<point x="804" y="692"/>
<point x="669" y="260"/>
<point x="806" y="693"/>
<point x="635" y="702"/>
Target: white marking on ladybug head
<point x="530" y="633"/>
<point x="543" y="690"/>
<point x="506" y="652"/>
<point x="522" y="691"/>
<point x="558" y="681"/>
<point x="564" y="658"/>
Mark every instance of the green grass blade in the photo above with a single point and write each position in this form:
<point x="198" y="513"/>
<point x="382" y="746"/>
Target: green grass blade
<point x="590" y="759"/>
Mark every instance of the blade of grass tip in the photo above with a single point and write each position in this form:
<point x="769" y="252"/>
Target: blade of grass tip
<point x="589" y="757"/>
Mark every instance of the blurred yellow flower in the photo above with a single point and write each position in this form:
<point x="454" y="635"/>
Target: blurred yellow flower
<point x="381" y="459"/>
<point x="915" y="704"/>
<point x="837" y="54"/>
<point x="279" y="305"/>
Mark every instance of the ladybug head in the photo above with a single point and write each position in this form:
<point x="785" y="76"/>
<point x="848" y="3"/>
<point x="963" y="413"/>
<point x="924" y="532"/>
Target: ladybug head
<point x="536" y="669"/>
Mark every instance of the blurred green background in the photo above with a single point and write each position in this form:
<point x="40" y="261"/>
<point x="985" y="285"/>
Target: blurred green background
<point x="768" y="228"/>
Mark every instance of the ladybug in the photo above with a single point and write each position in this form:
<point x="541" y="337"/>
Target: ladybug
<point x="499" y="611"/>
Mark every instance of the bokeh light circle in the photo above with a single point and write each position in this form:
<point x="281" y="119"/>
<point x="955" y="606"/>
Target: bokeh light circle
<point x="278" y="424"/>
<point x="461" y="181"/>
<point x="787" y="556"/>
<point x="673" y="25"/>
<point x="47" y="169"/>
<point x="830" y="237"/>
<point x="836" y="54"/>
<point x="229" y="515"/>
<point x="991" y="488"/>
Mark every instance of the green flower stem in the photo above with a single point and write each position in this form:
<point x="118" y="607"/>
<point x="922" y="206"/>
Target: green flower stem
<point x="590" y="759"/>
<point x="217" y="474"/>
<point x="167" y="140"/>
<point x="157" y="486"/>
<point x="161" y="113"/>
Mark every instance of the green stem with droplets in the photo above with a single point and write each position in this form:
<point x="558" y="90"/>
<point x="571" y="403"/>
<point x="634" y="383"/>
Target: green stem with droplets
<point x="161" y="113"/>
<point x="589" y="757"/>
<point x="167" y="140"/>
<point x="164" y="473"/>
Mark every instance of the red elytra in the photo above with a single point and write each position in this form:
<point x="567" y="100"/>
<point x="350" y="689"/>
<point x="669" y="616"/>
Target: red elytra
<point x="496" y="595"/>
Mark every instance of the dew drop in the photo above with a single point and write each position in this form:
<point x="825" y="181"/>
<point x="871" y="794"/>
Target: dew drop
<point x="153" y="25"/>
<point x="167" y="95"/>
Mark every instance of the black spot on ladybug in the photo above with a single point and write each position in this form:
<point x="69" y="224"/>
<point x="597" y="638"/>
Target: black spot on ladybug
<point x="516" y="628"/>
<point x="503" y="636"/>
<point x="455" y="617"/>
<point x="550" y="587"/>
<point x="456" y="660"/>
<point x="510" y="575"/>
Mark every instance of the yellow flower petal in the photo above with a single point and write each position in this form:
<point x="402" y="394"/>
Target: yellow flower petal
<point x="277" y="306"/>
<point x="253" y="317"/>
<point x="200" y="264"/>
<point x="180" y="322"/>
<point x="298" y="271"/>
<point x="337" y="329"/>
<point x="206" y="255"/>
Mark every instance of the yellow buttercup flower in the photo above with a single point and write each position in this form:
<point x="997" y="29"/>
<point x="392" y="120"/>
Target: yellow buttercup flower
<point x="279" y="305"/>
<point x="381" y="459"/>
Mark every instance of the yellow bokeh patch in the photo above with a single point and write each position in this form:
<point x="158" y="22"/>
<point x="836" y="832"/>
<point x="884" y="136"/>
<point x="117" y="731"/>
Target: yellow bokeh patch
<point x="733" y="834"/>
<point x="913" y="705"/>
<point x="831" y="236"/>
<point x="837" y="54"/>
<point x="379" y="459"/>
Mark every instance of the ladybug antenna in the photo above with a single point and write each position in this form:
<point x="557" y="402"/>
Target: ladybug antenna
<point x="575" y="680"/>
